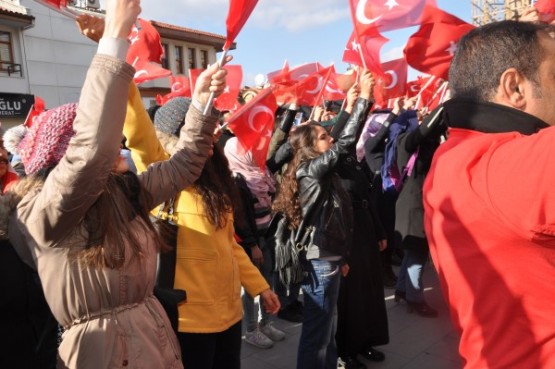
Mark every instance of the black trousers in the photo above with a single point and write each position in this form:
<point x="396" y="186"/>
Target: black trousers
<point x="220" y="350"/>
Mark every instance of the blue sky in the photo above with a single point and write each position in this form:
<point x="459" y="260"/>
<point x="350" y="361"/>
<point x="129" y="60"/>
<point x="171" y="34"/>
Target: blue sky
<point x="300" y="31"/>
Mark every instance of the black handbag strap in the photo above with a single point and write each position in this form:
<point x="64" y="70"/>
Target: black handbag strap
<point x="165" y="277"/>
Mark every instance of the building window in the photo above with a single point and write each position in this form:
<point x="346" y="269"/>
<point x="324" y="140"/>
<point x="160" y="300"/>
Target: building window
<point x="165" y="63"/>
<point x="179" y="67"/>
<point x="204" y="58"/>
<point x="6" y="54"/>
<point x="192" y="58"/>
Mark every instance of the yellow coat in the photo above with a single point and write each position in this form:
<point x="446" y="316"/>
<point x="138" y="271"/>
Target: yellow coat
<point x="210" y="266"/>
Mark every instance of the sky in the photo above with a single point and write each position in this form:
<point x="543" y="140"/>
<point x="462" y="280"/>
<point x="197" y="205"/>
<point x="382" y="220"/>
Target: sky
<point x="299" y="31"/>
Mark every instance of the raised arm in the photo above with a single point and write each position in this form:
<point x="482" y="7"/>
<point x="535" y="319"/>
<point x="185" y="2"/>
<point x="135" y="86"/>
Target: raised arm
<point x="80" y="176"/>
<point x="166" y="178"/>
<point x="325" y="163"/>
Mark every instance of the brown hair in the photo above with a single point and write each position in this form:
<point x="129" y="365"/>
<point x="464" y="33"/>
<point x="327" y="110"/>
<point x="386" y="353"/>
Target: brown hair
<point x="104" y="232"/>
<point x="303" y="141"/>
<point x="217" y="188"/>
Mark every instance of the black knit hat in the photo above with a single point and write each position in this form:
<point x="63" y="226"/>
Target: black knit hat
<point x="170" y="117"/>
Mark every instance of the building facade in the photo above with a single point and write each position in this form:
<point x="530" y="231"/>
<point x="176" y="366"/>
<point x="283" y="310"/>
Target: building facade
<point x="43" y="54"/>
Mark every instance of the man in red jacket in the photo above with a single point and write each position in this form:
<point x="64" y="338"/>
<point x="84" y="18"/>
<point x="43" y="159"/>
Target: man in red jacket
<point x="490" y="197"/>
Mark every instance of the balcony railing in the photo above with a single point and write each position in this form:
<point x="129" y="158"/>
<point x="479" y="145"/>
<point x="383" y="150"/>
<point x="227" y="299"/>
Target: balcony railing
<point x="10" y="68"/>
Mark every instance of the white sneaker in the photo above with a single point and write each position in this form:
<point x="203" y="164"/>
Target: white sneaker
<point x="258" y="339"/>
<point x="272" y="332"/>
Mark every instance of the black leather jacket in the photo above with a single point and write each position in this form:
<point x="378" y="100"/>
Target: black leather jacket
<point x="325" y="204"/>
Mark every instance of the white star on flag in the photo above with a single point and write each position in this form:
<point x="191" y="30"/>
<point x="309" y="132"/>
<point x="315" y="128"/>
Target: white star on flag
<point x="355" y="46"/>
<point x="452" y="49"/>
<point x="391" y="4"/>
<point x="226" y="89"/>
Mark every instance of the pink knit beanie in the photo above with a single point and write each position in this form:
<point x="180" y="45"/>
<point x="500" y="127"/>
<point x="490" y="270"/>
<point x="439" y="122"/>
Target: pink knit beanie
<point x="47" y="139"/>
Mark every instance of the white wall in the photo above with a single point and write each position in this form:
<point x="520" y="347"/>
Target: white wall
<point x="58" y="56"/>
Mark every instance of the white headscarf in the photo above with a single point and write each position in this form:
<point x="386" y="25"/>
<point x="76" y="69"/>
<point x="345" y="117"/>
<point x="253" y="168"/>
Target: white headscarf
<point x="260" y="183"/>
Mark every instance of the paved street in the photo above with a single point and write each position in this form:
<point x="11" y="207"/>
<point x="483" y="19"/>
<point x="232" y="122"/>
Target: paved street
<point x="415" y="342"/>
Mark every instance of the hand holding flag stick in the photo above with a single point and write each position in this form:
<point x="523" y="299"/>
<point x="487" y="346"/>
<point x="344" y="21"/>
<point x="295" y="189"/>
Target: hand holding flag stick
<point x="239" y="12"/>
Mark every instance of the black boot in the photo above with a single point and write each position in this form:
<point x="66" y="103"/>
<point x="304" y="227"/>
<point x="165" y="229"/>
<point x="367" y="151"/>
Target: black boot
<point x="422" y="309"/>
<point x="351" y="362"/>
<point x="373" y="355"/>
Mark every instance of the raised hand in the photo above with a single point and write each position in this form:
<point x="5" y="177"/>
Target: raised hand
<point x="90" y="26"/>
<point x="367" y="83"/>
<point x="120" y="17"/>
<point x="211" y="80"/>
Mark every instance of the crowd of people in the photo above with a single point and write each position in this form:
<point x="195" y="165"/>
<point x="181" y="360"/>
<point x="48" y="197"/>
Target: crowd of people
<point x="88" y="186"/>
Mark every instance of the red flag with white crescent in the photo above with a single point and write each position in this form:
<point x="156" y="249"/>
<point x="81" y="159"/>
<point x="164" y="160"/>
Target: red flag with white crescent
<point x="179" y="86"/>
<point x="333" y="90"/>
<point x="253" y="124"/>
<point x="309" y="89"/>
<point x="431" y="49"/>
<point x="387" y="15"/>
<point x="364" y="50"/>
<point x="393" y="83"/>
<point x="145" y="53"/>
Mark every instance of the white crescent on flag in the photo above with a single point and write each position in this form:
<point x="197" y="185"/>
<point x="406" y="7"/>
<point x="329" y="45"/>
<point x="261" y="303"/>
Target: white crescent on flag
<point x="176" y="86"/>
<point x="254" y="112"/>
<point x="394" y="79"/>
<point x="318" y="86"/>
<point x="361" y="14"/>
<point x="139" y="73"/>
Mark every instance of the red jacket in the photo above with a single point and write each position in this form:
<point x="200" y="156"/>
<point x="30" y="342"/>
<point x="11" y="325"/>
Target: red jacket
<point x="8" y="180"/>
<point x="489" y="204"/>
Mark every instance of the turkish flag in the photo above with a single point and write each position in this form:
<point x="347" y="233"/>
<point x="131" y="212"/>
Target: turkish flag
<point x="253" y="124"/>
<point x="145" y="53"/>
<point x="147" y="71"/>
<point x="308" y="91"/>
<point x="285" y="81"/>
<point x="431" y="49"/>
<point x="546" y="8"/>
<point x="239" y="12"/>
<point x="364" y="50"/>
<point x="179" y="86"/>
<point x="393" y="83"/>
<point x="36" y="109"/>
<point x="59" y="6"/>
<point x="280" y="76"/>
<point x="53" y="4"/>
<point x="438" y="97"/>
<point x="413" y="88"/>
<point x="145" y="43"/>
<point x="387" y="15"/>
<point x="427" y="89"/>
<point x="333" y="91"/>
<point x="351" y="54"/>
<point x="228" y="99"/>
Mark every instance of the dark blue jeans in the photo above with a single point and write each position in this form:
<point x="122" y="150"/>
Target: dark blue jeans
<point x="317" y="348"/>
<point x="410" y="274"/>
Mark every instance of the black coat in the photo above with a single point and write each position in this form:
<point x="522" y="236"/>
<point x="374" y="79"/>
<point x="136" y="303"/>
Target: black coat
<point x="28" y="329"/>
<point x="409" y="210"/>
<point x="362" y="316"/>
<point x="325" y="204"/>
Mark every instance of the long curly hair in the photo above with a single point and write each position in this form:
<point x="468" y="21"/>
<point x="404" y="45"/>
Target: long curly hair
<point x="217" y="189"/>
<point x="303" y="141"/>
